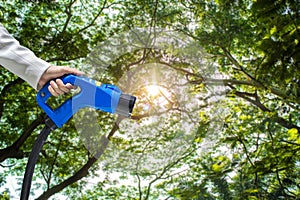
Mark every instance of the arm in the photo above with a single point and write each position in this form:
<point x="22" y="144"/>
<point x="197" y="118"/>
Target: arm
<point x="20" y="60"/>
<point x="37" y="72"/>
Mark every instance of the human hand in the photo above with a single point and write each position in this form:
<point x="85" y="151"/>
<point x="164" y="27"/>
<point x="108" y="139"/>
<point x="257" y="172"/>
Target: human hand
<point x="57" y="87"/>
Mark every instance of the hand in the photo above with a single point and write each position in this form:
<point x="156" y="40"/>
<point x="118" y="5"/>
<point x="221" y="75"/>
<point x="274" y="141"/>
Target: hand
<point x="57" y="87"/>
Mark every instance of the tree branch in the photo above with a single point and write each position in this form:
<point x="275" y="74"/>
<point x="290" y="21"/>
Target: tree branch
<point x="262" y="107"/>
<point x="77" y="176"/>
<point x="5" y="90"/>
<point x="95" y="18"/>
<point x="13" y="151"/>
<point x="165" y="169"/>
<point x="69" y="15"/>
<point x="83" y="170"/>
<point x="53" y="163"/>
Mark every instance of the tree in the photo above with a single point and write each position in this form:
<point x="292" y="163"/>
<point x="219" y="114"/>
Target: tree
<point x="237" y="34"/>
<point x="253" y="45"/>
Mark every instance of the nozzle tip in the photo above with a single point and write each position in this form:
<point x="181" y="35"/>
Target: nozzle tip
<point x="125" y="105"/>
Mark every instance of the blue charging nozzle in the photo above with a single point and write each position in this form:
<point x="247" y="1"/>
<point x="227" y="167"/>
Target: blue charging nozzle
<point x="105" y="97"/>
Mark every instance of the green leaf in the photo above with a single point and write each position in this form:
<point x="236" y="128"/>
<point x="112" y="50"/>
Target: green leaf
<point x="293" y="134"/>
<point x="273" y="30"/>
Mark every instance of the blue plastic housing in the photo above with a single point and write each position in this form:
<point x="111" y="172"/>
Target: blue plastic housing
<point x="103" y="97"/>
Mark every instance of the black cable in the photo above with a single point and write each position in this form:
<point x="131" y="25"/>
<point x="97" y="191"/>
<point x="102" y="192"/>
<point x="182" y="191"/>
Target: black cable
<point x="37" y="147"/>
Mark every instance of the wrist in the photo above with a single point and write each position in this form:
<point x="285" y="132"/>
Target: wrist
<point x="43" y="79"/>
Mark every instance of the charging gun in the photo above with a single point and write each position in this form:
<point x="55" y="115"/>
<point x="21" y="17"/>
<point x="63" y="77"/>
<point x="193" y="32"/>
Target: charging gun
<point x="94" y="94"/>
<point x="104" y="97"/>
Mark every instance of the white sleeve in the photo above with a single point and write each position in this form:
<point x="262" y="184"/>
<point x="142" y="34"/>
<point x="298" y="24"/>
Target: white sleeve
<point x="20" y="60"/>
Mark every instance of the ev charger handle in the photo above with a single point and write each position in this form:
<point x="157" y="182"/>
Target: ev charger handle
<point x="105" y="97"/>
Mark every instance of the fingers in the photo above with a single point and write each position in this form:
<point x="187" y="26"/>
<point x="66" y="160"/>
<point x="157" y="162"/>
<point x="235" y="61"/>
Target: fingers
<point x="61" y="86"/>
<point x="57" y="87"/>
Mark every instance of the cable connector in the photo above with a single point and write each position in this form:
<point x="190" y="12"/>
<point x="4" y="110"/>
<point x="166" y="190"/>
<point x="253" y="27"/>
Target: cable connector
<point x="50" y="124"/>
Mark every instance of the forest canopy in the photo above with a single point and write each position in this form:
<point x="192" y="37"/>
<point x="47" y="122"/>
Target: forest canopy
<point x="217" y="116"/>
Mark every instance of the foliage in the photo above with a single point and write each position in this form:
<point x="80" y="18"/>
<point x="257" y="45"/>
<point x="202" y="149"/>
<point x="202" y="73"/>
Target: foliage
<point x="255" y="96"/>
